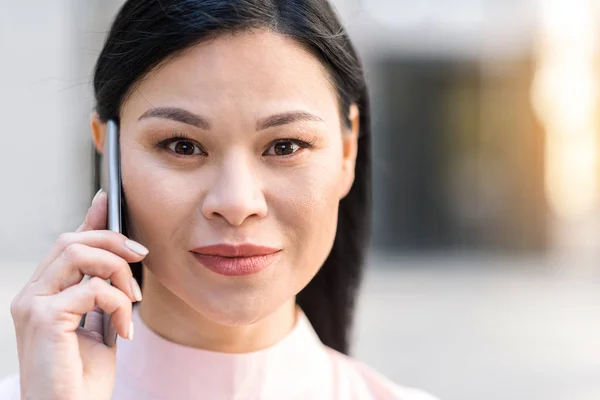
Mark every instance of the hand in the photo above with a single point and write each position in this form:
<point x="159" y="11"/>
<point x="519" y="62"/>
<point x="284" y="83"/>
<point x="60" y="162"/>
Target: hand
<point x="57" y="358"/>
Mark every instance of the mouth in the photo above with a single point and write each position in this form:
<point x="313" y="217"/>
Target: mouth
<point x="236" y="260"/>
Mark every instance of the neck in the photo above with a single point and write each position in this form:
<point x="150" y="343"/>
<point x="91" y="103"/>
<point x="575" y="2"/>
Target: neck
<point x="178" y="322"/>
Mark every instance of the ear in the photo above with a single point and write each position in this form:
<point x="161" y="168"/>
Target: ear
<point x="350" y="149"/>
<point x="98" y="131"/>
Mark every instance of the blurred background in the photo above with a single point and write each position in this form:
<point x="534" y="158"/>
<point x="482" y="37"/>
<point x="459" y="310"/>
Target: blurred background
<point x="484" y="279"/>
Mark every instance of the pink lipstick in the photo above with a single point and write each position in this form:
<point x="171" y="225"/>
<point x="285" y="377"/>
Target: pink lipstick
<point x="236" y="260"/>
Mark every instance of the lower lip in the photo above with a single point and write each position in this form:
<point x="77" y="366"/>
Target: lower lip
<point x="236" y="266"/>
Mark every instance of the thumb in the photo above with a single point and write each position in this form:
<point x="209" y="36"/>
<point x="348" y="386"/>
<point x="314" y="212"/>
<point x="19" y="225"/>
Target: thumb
<point x="97" y="214"/>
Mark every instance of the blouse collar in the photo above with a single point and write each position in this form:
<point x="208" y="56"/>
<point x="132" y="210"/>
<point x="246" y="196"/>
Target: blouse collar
<point x="169" y="370"/>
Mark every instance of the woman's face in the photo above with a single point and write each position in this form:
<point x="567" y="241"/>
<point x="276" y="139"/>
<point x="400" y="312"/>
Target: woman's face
<point x="265" y="161"/>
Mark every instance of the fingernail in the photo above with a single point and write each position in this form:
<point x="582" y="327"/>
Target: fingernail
<point x="135" y="288"/>
<point x="136" y="247"/>
<point x="96" y="195"/>
<point x="130" y="334"/>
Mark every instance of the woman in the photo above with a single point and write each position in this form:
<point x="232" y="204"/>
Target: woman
<point x="246" y="173"/>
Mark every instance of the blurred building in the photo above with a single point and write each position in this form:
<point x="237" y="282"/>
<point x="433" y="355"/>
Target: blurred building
<point x="458" y="152"/>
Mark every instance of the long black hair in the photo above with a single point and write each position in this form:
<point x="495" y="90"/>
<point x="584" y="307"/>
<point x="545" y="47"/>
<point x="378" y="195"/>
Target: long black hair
<point x="147" y="33"/>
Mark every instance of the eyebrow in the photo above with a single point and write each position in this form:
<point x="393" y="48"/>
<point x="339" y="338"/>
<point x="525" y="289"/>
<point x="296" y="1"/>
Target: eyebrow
<point x="285" y="118"/>
<point x="177" y="114"/>
<point x="187" y="117"/>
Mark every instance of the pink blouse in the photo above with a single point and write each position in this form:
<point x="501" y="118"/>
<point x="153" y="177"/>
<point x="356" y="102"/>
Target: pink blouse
<point x="298" y="367"/>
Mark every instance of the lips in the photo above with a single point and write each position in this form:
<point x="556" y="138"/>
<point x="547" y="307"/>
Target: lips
<point x="241" y="250"/>
<point x="236" y="260"/>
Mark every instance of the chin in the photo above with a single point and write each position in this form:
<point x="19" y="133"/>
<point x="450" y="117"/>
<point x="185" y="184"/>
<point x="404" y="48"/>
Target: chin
<point x="235" y="301"/>
<point x="234" y="316"/>
<point x="238" y="309"/>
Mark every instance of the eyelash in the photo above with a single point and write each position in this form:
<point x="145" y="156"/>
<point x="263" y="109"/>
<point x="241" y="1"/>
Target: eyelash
<point x="175" y="137"/>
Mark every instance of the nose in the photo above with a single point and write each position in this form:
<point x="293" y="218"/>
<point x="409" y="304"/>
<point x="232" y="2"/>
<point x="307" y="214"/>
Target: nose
<point x="236" y="193"/>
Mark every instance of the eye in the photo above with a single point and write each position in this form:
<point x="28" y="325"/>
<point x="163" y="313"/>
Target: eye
<point x="183" y="147"/>
<point x="286" y="147"/>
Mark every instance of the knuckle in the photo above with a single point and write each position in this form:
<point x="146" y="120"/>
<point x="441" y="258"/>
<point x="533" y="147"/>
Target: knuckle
<point x="65" y="239"/>
<point x="73" y="252"/>
<point x="124" y="267"/>
<point x="96" y="285"/>
<point x="21" y="304"/>
<point x="17" y="308"/>
<point x="116" y="264"/>
<point x="110" y="236"/>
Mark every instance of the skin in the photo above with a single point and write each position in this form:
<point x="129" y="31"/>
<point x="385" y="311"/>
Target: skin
<point x="234" y="188"/>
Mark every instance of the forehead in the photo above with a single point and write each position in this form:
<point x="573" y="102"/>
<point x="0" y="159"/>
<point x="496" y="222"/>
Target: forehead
<point x="259" y="67"/>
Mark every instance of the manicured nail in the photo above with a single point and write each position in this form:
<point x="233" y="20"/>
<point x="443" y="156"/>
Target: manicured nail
<point x="135" y="288"/>
<point x="136" y="247"/>
<point x="96" y="195"/>
<point x="130" y="334"/>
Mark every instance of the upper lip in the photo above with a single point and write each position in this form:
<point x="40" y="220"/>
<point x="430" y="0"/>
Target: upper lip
<point x="231" y="250"/>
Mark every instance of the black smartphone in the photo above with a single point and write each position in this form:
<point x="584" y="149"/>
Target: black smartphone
<point x="110" y="181"/>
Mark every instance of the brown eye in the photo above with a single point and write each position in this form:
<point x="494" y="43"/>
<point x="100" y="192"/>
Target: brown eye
<point x="284" y="148"/>
<point x="184" y="148"/>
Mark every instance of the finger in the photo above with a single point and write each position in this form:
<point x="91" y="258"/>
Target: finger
<point x="78" y="260"/>
<point x="97" y="214"/>
<point x="81" y="299"/>
<point x="113" y="242"/>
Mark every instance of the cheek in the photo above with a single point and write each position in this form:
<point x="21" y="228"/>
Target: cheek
<point x="308" y="214"/>
<point x="157" y="202"/>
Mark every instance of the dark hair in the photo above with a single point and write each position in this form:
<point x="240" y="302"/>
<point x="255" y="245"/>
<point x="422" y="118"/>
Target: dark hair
<point x="147" y="33"/>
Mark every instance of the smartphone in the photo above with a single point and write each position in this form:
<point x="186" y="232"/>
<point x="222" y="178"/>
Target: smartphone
<point x="110" y="181"/>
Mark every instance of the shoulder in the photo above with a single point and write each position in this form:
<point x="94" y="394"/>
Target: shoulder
<point x="10" y="388"/>
<point x="356" y="377"/>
